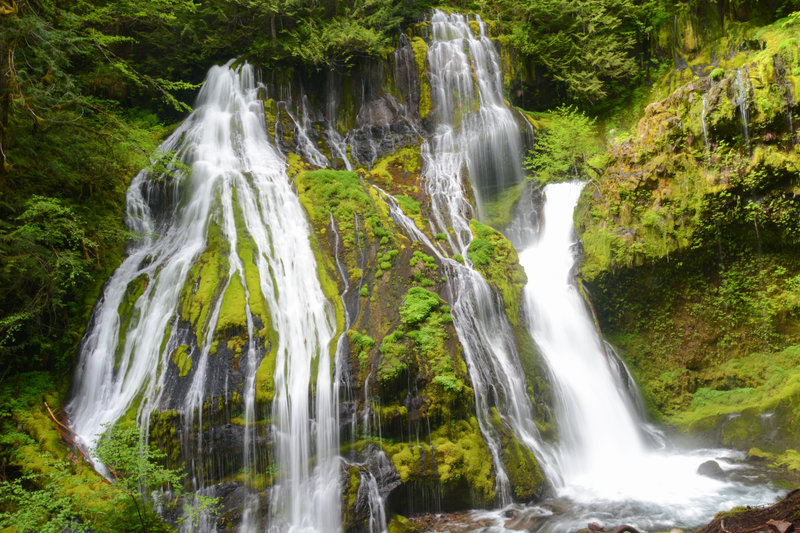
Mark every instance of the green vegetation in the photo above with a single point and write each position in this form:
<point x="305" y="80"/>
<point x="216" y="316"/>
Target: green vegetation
<point x="43" y="488"/>
<point x="494" y="257"/>
<point x="363" y="344"/>
<point x="418" y="306"/>
<point x="136" y="471"/>
<point x="571" y="40"/>
<point x="182" y="359"/>
<point x="421" y="58"/>
<point x="562" y="151"/>
<point x="463" y="464"/>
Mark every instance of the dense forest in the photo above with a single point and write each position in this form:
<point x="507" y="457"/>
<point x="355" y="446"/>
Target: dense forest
<point x="678" y="116"/>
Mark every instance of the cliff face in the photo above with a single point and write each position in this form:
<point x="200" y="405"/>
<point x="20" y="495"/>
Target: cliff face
<point x="690" y="237"/>
<point x="407" y="414"/>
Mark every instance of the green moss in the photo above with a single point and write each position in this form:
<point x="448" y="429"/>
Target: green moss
<point x="362" y="343"/>
<point x="400" y="524"/>
<point x="393" y="357"/>
<point x="31" y="444"/>
<point x="736" y="511"/>
<point x="498" y="211"/>
<point x="421" y="57"/>
<point x="126" y="316"/>
<point x="232" y="312"/>
<point x="410" y="206"/>
<point x="350" y="497"/>
<point x="717" y="74"/>
<point x="426" y="259"/>
<point x="182" y="359"/>
<point x="522" y="467"/>
<point x="265" y="378"/>
<point x="462" y="463"/>
<point x="206" y="280"/>
<point x="324" y="193"/>
<point x="418" y="305"/>
<point x="247" y="252"/>
<point x="420" y="346"/>
<point x="774" y="381"/>
<point x="495" y="257"/>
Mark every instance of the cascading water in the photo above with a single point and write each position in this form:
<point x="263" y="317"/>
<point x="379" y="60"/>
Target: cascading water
<point x="234" y="219"/>
<point x="475" y="132"/>
<point x="742" y="78"/>
<point x="704" y="122"/>
<point x="609" y="470"/>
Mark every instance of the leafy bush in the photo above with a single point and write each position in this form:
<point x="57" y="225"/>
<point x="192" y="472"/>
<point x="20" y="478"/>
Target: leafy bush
<point x="563" y="151"/>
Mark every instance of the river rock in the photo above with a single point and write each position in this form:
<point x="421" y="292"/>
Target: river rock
<point x="711" y="469"/>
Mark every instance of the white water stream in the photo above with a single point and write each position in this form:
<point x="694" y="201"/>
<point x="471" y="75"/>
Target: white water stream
<point x="476" y="142"/>
<point x="609" y="469"/>
<point x="742" y="82"/>
<point x="234" y="168"/>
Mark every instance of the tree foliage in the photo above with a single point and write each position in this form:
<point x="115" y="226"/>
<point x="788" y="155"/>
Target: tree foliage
<point x="586" y="45"/>
<point x="562" y="151"/>
<point x="36" y="502"/>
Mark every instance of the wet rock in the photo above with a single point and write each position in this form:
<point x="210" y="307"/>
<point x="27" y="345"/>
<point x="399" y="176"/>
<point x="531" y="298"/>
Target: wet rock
<point x="780" y="517"/>
<point x="384" y="472"/>
<point x="711" y="469"/>
<point x="781" y="526"/>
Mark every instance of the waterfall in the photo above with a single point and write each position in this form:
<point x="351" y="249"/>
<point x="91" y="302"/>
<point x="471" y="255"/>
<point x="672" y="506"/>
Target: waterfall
<point x="742" y="77"/>
<point x="476" y="132"/>
<point x="302" y="126"/>
<point x="227" y="216"/>
<point x="704" y="122"/>
<point x="336" y="142"/>
<point x="608" y="466"/>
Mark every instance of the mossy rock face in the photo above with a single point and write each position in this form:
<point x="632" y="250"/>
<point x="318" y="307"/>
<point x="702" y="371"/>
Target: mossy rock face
<point x="673" y="188"/>
<point x="690" y="250"/>
<point x="206" y="281"/>
<point x="352" y="519"/>
<point x="495" y="257"/>
<point x="400" y="524"/>
<point x="457" y="463"/>
<point x="402" y="343"/>
<point x="522" y="467"/>
<point x="421" y="58"/>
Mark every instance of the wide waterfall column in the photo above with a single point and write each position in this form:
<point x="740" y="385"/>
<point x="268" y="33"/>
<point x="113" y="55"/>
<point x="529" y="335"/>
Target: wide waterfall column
<point x="590" y="404"/>
<point x="227" y="239"/>
<point x="607" y="466"/>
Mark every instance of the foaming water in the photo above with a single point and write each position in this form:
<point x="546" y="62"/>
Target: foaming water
<point x="608" y="464"/>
